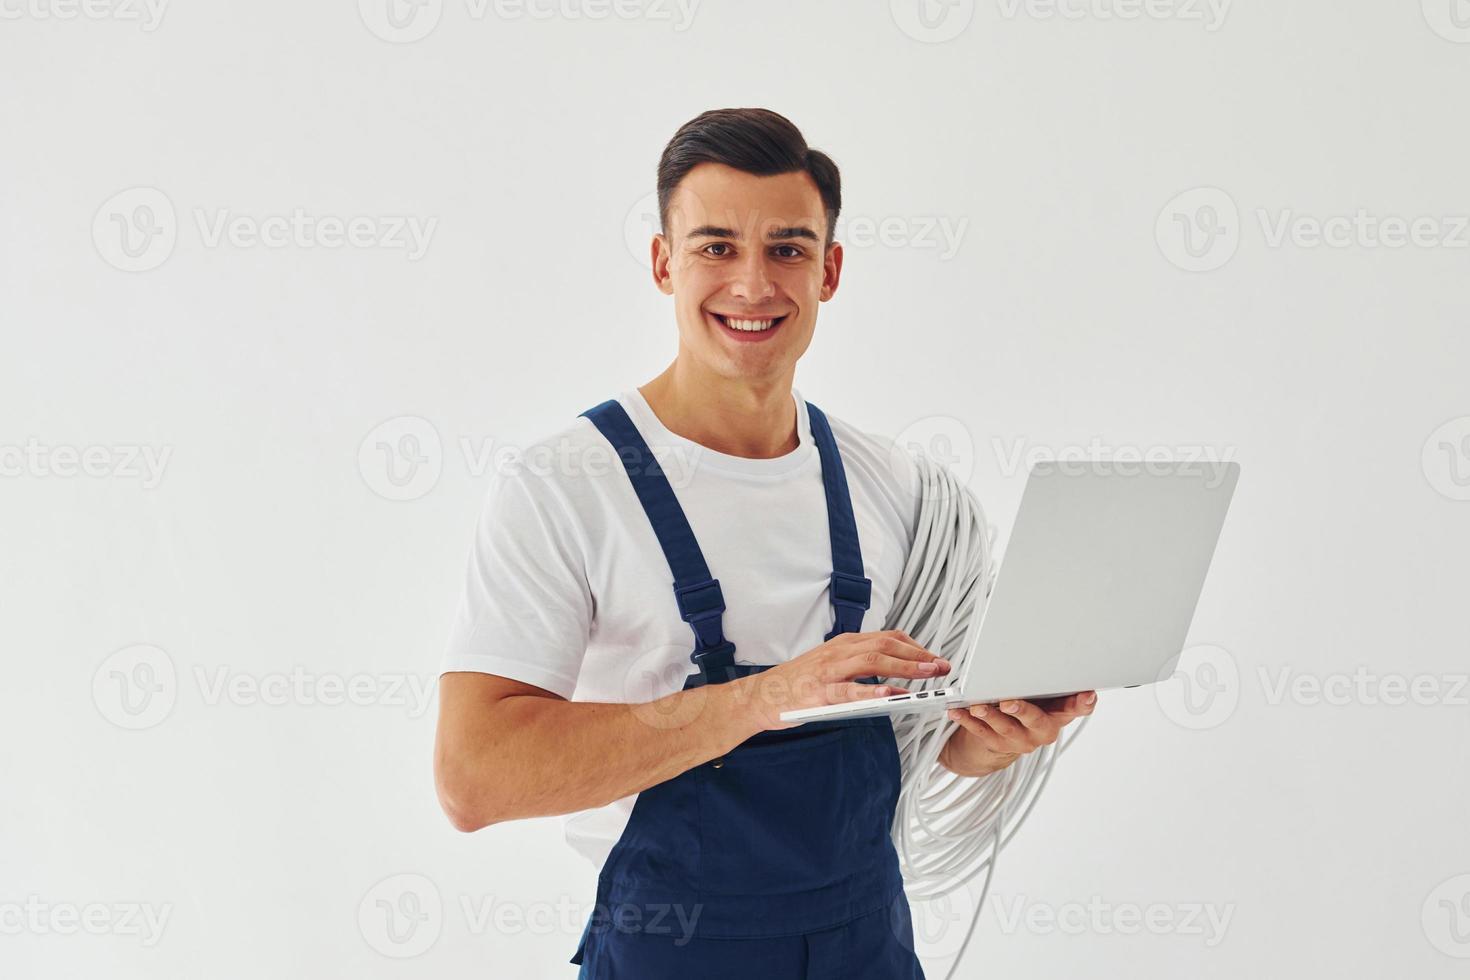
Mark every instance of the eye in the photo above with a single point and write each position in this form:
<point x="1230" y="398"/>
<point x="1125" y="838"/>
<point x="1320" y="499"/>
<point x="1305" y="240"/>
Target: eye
<point x="787" y="252"/>
<point x="717" y="249"/>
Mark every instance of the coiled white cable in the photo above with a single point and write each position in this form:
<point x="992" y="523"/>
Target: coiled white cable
<point x="949" y="829"/>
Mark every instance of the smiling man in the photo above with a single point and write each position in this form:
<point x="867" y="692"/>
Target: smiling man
<point x="626" y="645"/>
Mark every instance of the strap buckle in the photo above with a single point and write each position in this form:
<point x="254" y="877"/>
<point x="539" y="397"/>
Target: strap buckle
<point x="714" y="658"/>
<point x="852" y="590"/>
<point x="851" y="597"/>
<point x="702" y="606"/>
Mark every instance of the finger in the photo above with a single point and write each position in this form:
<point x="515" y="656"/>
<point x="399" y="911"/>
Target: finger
<point x="1035" y="720"/>
<point x="1041" y="728"/>
<point x="1001" y="724"/>
<point x="873" y="664"/>
<point x="856" y="639"/>
<point x="897" y="644"/>
<point x="1007" y="734"/>
<point x="979" y="729"/>
<point x="1076" y="706"/>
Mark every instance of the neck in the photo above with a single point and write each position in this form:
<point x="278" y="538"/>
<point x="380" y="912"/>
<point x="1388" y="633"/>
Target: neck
<point x="755" y="420"/>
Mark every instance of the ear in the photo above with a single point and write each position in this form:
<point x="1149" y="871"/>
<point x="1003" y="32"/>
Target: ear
<point x="660" y="254"/>
<point x="831" y="270"/>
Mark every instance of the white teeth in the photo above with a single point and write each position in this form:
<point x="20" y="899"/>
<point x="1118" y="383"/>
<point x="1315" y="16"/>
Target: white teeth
<point x="748" y="325"/>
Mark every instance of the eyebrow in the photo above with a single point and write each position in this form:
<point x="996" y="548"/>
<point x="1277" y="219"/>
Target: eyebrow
<point x="778" y="234"/>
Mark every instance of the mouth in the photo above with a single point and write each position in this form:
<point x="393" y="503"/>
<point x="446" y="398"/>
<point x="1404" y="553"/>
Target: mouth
<point x="746" y="328"/>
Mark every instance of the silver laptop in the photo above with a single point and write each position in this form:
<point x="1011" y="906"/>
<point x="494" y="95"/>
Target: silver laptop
<point x="1096" y="589"/>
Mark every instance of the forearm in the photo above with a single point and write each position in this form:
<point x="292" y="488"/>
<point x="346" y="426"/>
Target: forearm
<point x="541" y="756"/>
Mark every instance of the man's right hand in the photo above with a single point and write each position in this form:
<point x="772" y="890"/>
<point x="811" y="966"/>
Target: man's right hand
<point x="827" y="674"/>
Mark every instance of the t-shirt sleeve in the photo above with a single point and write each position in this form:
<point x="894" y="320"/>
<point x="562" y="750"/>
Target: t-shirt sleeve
<point x="526" y="610"/>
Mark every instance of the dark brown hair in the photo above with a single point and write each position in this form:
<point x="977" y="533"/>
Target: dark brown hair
<point x="757" y="141"/>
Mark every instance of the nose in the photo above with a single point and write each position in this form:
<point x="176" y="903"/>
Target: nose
<point x="751" y="282"/>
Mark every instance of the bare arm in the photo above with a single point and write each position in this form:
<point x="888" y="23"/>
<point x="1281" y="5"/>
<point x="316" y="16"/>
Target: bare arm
<point x="506" y="750"/>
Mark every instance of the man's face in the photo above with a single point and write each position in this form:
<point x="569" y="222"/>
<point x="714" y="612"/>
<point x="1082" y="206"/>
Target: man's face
<point x="744" y="259"/>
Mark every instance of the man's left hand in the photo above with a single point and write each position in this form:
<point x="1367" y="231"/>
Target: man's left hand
<point x="992" y="736"/>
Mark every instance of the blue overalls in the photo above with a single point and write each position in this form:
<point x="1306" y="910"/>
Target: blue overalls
<point x="775" y="861"/>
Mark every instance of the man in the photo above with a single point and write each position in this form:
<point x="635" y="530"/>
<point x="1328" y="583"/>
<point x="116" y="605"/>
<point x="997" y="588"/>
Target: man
<point x="579" y="680"/>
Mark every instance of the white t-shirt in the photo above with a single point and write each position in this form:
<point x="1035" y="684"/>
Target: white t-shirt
<point x="568" y="590"/>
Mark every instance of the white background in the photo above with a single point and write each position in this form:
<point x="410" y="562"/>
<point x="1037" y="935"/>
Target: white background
<point x="1072" y="315"/>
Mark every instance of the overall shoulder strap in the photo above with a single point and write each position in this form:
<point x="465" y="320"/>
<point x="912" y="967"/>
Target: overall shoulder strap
<point x="851" y="591"/>
<point x="701" y="603"/>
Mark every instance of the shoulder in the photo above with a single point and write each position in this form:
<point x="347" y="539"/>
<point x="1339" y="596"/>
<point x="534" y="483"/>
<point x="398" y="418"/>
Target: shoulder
<point x="552" y="478"/>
